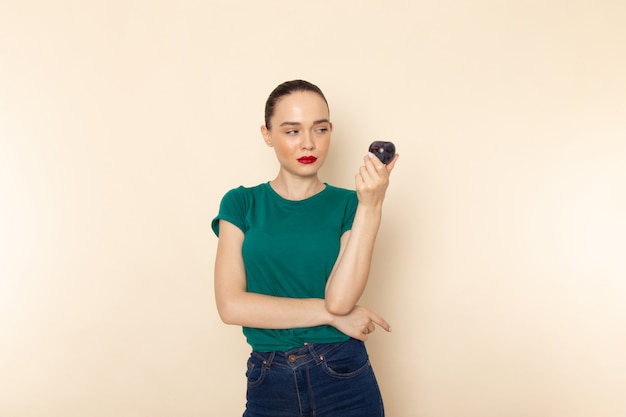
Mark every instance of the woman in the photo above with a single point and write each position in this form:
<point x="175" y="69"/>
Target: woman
<point x="292" y="261"/>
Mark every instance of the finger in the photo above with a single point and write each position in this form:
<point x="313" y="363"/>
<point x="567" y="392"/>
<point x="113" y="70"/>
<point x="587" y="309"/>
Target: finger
<point x="358" y="179"/>
<point x="369" y="175"/>
<point x="369" y="327"/>
<point x="361" y="336"/>
<point x="381" y="322"/>
<point x="365" y="175"/>
<point x="392" y="164"/>
<point x="373" y="164"/>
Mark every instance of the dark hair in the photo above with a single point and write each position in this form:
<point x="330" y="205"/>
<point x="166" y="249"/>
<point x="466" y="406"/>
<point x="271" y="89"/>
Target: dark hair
<point x="285" y="89"/>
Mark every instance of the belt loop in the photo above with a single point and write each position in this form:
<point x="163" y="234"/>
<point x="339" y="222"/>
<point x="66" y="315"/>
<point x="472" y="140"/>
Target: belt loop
<point x="269" y="360"/>
<point x="318" y="358"/>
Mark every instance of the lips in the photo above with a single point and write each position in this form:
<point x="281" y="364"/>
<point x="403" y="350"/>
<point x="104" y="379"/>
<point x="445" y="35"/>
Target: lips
<point x="307" y="159"/>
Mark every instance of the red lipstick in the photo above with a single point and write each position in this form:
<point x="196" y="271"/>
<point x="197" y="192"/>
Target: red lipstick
<point x="307" y="159"/>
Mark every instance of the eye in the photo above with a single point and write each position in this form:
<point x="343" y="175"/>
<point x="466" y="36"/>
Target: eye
<point x="321" y="130"/>
<point x="291" y="132"/>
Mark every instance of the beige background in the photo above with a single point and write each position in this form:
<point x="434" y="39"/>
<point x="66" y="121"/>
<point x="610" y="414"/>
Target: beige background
<point x="500" y="263"/>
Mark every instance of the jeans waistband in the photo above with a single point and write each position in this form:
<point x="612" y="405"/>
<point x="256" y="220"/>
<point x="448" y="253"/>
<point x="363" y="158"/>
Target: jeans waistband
<point x="298" y="356"/>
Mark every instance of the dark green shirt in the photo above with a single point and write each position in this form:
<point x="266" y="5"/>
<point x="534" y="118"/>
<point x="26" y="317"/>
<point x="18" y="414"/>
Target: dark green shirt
<point x="289" y="250"/>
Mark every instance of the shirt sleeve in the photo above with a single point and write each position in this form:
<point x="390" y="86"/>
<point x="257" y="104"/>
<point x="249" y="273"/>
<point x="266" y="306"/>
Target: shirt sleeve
<point x="352" y="202"/>
<point x="233" y="209"/>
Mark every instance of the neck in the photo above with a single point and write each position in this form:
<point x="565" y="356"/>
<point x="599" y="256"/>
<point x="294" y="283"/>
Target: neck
<point x="296" y="188"/>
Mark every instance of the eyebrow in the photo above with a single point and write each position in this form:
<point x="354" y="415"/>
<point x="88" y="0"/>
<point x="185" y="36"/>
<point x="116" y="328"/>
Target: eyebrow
<point x="317" y="122"/>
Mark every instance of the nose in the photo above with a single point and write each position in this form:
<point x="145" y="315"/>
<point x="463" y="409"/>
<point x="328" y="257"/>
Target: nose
<point x="307" y="141"/>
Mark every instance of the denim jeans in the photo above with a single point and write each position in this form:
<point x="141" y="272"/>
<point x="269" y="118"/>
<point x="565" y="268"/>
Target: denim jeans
<point x="316" y="380"/>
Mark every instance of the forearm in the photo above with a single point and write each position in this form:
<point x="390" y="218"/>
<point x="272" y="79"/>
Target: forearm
<point x="237" y="306"/>
<point x="269" y="312"/>
<point x="350" y="275"/>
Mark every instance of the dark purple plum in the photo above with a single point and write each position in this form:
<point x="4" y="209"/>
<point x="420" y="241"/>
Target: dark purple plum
<point x="385" y="151"/>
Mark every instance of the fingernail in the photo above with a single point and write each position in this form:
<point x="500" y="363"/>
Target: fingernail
<point x="370" y="155"/>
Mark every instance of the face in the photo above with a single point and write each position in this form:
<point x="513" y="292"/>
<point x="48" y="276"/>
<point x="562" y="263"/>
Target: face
<point x="300" y="133"/>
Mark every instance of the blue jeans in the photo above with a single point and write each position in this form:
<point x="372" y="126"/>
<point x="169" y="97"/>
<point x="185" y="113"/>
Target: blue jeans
<point x="316" y="380"/>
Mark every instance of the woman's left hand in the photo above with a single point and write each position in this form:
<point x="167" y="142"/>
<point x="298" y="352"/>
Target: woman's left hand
<point x="372" y="179"/>
<point x="360" y="322"/>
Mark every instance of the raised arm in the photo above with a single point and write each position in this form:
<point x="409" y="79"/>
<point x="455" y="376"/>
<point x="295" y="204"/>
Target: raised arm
<point x="351" y="271"/>
<point x="237" y="306"/>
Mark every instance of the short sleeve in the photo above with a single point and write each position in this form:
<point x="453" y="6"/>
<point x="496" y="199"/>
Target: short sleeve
<point x="352" y="202"/>
<point x="233" y="209"/>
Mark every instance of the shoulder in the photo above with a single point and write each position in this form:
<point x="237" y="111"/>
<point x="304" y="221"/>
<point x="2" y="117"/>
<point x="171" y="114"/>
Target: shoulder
<point x="235" y="205"/>
<point x="340" y="193"/>
<point x="338" y="190"/>
<point x="341" y="198"/>
<point x="239" y="199"/>
<point x="345" y="201"/>
<point x="243" y="192"/>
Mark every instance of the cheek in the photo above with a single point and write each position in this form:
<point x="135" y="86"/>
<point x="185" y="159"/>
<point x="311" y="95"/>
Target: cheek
<point x="324" y="145"/>
<point x="284" y="148"/>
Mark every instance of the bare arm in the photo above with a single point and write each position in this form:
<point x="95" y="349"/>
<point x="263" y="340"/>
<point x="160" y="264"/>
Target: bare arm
<point x="351" y="271"/>
<point x="237" y="306"/>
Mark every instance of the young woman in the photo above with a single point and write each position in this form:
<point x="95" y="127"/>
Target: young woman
<point x="293" y="259"/>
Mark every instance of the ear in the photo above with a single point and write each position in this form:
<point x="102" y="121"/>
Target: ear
<point x="267" y="137"/>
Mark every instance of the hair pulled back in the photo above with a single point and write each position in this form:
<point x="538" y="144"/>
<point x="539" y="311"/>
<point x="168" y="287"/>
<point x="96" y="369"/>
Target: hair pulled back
<point x="284" y="89"/>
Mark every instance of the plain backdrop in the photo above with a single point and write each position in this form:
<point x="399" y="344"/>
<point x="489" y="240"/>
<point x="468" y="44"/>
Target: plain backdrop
<point x="500" y="261"/>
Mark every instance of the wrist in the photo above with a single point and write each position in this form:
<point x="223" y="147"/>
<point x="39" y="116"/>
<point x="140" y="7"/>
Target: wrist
<point x="370" y="208"/>
<point x="326" y="316"/>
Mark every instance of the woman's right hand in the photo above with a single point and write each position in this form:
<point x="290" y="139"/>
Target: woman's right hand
<point x="359" y="323"/>
<point x="372" y="179"/>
